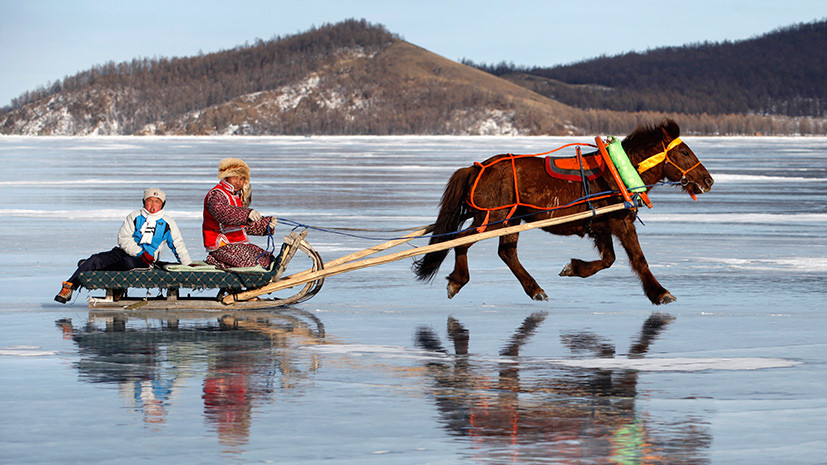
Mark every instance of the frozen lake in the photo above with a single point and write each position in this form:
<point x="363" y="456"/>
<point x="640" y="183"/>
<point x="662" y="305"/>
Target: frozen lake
<point x="367" y="371"/>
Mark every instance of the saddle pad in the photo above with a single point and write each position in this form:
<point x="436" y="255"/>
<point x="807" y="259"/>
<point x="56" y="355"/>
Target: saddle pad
<point x="568" y="168"/>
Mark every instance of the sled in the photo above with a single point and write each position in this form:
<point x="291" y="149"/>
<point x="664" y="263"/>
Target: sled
<point x="171" y="278"/>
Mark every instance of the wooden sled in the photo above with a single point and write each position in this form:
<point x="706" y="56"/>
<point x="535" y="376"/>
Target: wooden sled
<point x="229" y="282"/>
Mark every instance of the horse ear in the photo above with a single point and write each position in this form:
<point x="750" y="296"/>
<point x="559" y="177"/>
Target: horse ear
<point x="670" y="129"/>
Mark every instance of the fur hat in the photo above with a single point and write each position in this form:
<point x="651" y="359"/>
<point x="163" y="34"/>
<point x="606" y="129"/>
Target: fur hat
<point x="155" y="192"/>
<point x="236" y="167"/>
<point x="233" y="167"/>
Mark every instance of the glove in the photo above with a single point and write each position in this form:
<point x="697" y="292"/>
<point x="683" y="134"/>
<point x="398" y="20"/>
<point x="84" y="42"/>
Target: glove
<point x="273" y="222"/>
<point x="254" y="216"/>
<point x="146" y="258"/>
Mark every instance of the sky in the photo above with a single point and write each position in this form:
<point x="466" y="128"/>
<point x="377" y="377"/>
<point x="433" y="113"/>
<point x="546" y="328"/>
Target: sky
<point x="42" y="41"/>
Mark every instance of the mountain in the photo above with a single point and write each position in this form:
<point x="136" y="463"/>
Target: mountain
<point x="354" y="77"/>
<point x="349" y="78"/>
<point x="779" y="73"/>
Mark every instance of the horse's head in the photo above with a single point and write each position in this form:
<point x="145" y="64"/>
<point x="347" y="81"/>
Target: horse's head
<point x="660" y="150"/>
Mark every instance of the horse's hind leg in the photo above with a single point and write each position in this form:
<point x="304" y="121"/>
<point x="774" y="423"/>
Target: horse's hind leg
<point x="460" y="276"/>
<point x="508" y="253"/>
<point x="651" y="287"/>
<point x="582" y="269"/>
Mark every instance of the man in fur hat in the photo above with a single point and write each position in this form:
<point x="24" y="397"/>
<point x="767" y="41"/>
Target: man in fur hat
<point x="228" y="219"/>
<point x="140" y="238"/>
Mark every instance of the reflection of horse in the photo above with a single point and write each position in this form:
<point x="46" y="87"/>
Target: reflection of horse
<point x="522" y="182"/>
<point x="578" y="414"/>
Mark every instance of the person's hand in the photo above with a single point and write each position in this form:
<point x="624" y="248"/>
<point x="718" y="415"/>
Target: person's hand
<point x="273" y="222"/>
<point x="254" y="216"/>
<point x="146" y="258"/>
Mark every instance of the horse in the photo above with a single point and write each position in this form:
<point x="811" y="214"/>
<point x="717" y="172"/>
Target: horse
<point x="478" y="192"/>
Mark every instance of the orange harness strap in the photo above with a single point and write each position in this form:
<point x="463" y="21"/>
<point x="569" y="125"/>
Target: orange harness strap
<point x="513" y="207"/>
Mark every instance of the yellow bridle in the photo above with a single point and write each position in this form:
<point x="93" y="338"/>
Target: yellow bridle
<point x="658" y="158"/>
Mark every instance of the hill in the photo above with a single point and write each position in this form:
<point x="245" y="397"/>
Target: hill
<point x="348" y="78"/>
<point x="779" y="73"/>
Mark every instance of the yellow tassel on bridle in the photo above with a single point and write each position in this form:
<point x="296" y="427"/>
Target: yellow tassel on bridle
<point x="658" y="158"/>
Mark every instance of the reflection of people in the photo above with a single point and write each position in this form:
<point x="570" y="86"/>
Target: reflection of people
<point x="228" y="219"/>
<point x="140" y="238"/>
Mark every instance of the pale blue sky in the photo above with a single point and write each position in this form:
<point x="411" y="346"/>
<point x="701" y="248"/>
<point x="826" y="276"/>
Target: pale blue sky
<point x="45" y="40"/>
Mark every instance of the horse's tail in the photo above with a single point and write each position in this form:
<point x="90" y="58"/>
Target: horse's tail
<point x="452" y="213"/>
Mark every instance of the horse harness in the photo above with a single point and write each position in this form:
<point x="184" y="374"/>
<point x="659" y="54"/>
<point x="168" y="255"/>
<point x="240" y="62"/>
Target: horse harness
<point x="663" y="157"/>
<point x="645" y="165"/>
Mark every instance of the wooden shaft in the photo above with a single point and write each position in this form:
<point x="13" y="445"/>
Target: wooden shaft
<point x="355" y="265"/>
<point x="365" y="252"/>
<point x="377" y="248"/>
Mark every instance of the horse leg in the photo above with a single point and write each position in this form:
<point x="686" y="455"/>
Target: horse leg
<point x="651" y="287"/>
<point x="508" y="253"/>
<point x="582" y="269"/>
<point x="460" y="276"/>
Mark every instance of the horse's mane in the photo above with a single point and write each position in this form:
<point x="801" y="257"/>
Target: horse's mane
<point x="648" y="135"/>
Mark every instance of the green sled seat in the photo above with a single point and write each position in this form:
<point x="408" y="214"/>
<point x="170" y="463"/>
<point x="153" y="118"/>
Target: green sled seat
<point x="169" y="276"/>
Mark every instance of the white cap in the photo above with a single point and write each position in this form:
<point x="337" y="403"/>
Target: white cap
<point x="155" y="192"/>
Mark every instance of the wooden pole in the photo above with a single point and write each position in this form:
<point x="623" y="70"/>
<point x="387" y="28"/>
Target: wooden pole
<point x="365" y="252"/>
<point x="291" y="281"/>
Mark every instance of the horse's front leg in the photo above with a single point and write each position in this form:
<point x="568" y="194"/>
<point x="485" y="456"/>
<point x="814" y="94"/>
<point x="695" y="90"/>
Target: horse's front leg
<point x="508" y="253"/>
<point x="651" y="287"/>
<point x="582" y="269"/>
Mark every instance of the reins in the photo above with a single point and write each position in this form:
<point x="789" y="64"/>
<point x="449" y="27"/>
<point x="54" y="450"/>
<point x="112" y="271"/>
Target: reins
<point x="587" y="199"/>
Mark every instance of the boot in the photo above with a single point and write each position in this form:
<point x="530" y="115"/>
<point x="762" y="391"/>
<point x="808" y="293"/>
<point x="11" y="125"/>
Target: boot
<point x="65" y="293"/>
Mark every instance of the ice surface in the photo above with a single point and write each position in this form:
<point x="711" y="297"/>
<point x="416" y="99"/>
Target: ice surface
<point x="731" y="372"/>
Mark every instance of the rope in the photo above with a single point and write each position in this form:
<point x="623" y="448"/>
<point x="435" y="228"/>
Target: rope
<point x="271" y="244"/>
<point x="340" y="231"/>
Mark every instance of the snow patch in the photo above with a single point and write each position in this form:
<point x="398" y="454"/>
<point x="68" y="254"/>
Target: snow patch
<point x="25" y="351"/>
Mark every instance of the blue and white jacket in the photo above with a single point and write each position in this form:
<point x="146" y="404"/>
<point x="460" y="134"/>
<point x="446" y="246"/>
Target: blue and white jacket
<point x="144" y="232"/>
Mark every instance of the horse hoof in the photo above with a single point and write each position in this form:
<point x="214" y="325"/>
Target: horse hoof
<point x="452" y="290"/>
<point x="667" y="299"/>
<point x="566" y="270"/>
<point x="540" y="296"/>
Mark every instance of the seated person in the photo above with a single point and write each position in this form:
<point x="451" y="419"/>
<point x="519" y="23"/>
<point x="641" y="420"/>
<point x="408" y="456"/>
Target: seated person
<point x="140" y="238"/>
<point x="228" y="219"/>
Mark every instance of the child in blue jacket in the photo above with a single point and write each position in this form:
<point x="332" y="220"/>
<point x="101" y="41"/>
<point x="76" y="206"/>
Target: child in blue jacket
<point x="140" y="238"/>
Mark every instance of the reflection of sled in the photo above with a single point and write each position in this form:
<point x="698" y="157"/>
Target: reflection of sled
<point x="171" y="279"/>
<point x="272" y="323"/>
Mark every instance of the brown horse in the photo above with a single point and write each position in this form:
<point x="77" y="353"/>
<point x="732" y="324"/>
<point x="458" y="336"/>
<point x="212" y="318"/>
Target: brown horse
<point x="523" y="182"/>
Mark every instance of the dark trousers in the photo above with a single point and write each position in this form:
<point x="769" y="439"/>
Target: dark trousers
<point x="111" y="260"/>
